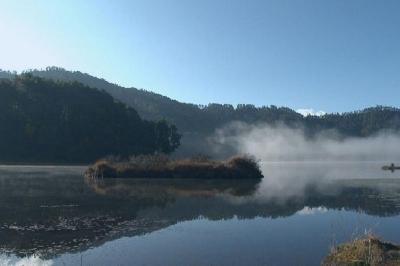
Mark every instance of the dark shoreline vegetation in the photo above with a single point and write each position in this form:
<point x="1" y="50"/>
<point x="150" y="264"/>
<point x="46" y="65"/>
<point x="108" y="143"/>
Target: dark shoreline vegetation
<point x="368" y="250"/>
<point x="160" y="166"/>
<point x="60" y="122"/>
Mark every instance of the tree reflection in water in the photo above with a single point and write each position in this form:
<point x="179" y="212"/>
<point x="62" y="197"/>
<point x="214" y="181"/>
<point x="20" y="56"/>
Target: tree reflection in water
<point x="48" y="215"/>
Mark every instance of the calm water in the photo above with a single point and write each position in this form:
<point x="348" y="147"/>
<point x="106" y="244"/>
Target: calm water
<point x="51" y="216"/>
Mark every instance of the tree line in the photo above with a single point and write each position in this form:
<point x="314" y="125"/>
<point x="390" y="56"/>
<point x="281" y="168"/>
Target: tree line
<point x="198" y="122"/>
<point x="56" y="121"/>
<point x="204" y="119"/>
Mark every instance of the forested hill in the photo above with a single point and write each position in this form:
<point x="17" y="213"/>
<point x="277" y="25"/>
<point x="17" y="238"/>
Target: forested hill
<point x="55" y="121"/>
<point x="150" y="106"/>
<point x="362" y="123"/>
<point x="187" y="117"/>
<point x="197" y="123"/>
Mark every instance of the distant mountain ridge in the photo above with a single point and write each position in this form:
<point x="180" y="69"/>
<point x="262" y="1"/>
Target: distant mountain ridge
<point x="149" y="105"/>
<point x="198" y="123"/>
<point x="153" y="106"/>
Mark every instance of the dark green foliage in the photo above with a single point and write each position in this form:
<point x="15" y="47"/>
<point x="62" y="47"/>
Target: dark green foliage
<point x="199" y="121"/>
<point x="47" y="121"/>
<point x="188" y="118"/>
<point x="362" y="123"/>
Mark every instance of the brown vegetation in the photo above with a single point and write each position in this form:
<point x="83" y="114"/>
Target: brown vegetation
<point x="160" y="166"/>
<point x="364" y="251"/>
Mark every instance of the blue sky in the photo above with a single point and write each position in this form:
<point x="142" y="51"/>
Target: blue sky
<point x="336" y="55"/>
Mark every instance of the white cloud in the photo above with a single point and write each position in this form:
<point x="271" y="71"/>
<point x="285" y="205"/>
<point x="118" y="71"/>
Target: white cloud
<point x="310" y="211"/>
<point x="310" y="111"/>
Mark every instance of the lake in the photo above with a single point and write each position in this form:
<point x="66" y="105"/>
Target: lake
<point x="50" y="215"/>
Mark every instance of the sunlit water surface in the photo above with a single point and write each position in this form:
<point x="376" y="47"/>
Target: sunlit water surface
<point x="52" y="216"/>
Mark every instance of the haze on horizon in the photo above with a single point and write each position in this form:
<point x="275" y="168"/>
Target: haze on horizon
<point x="333" y="56"/>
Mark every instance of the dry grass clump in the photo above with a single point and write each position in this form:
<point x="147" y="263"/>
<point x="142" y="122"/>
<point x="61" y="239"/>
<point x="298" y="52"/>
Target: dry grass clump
<point x="161" y="166"/>
<point x="368" y="250"/>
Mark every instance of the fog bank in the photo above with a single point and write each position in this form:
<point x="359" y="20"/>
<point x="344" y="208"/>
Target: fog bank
<point x="281" y="143"/>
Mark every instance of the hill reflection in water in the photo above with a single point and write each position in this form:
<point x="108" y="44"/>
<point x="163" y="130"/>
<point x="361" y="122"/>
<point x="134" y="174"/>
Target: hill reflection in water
<point x="49" y="211"/>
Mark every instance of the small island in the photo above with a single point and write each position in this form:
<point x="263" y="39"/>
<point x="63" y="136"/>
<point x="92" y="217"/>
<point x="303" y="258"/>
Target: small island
<point x="160" y="166"/>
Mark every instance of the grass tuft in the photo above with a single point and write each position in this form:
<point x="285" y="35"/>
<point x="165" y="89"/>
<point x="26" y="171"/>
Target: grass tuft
<point x="368" y="250"/>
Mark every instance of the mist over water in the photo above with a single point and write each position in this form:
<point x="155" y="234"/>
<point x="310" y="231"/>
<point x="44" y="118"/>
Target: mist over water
<point x="281" y="143"/>
<point x="291" y="162"/>
<point x="6" y="260"/>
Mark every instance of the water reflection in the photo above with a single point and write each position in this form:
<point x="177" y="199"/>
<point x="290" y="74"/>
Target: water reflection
<point x="46" y="212"/>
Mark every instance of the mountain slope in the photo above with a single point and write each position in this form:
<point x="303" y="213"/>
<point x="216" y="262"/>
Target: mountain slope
<point x="189" y="118"/>
<point x="46" y="121"/>
<point x="198" y="123"/>
<point x="149" y="105"/>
